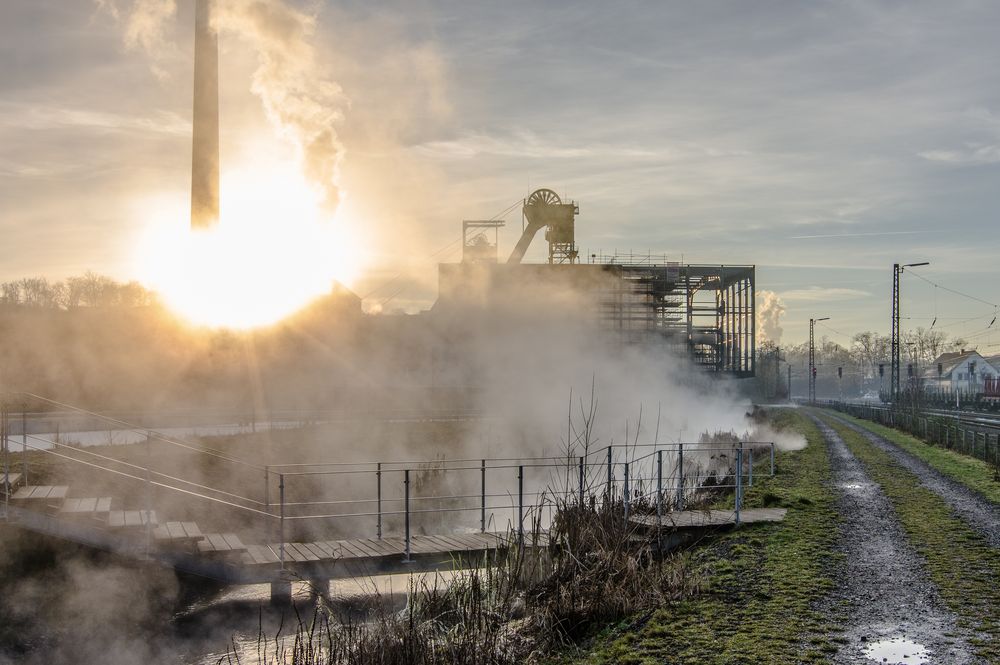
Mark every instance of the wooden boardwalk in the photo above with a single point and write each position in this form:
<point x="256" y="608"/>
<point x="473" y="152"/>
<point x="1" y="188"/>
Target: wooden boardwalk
<point x="97" y="522"/>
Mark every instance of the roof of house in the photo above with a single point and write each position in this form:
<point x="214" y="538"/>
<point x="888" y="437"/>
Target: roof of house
<point x="950" y="360"/>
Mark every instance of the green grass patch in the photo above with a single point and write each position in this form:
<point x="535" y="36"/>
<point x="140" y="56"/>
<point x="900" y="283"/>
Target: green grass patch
<point x="969" y="471"/>
<point x="758" y="602"/>
<point x="960" y="562"/>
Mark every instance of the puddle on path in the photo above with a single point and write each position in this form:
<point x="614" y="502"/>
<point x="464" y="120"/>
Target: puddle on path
<point x="897" y="650"/>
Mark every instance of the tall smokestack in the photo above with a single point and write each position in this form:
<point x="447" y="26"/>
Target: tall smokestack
<point x="205" y="137"/>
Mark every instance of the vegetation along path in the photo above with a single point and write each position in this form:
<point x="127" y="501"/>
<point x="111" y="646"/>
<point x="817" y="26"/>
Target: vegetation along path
<point x="980" y="513"/>
<point x="884" y="591"/>
<point x="960" y="562"/>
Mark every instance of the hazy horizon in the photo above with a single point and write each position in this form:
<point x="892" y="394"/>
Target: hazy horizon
<point x="820" y="142"/>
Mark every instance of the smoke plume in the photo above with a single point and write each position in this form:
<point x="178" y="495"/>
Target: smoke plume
<point x="144" y="25"/>
<point x="302" y="104"/>
<point x="770" y="309"/>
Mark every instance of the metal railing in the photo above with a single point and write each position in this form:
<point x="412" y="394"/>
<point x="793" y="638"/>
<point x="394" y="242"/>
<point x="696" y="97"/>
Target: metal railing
<point x="397" y="498"/>
<point x="979" y="441"/>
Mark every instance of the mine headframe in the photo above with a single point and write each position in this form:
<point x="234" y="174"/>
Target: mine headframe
<point x="544" y="209"/>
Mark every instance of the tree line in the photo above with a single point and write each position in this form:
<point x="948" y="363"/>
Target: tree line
<point x="858" y="361"/>
<point x="87" y="290"/>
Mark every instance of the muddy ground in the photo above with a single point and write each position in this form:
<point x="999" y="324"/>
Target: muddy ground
<point x="883" y="592"/>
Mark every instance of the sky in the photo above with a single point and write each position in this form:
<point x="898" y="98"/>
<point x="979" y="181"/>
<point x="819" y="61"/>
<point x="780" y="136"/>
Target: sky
<point x="819" y="141"/>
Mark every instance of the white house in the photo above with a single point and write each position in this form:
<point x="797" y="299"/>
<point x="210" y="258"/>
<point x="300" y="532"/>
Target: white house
<point x="964" y="370"/>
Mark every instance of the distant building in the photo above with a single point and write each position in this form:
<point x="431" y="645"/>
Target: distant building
<point x="962" y="370"/>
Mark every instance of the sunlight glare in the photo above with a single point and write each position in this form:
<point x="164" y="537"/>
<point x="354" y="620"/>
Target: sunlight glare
<point x="272" y="252"/>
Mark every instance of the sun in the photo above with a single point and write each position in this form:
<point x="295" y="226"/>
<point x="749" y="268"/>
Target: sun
<point x="272" y="252"/>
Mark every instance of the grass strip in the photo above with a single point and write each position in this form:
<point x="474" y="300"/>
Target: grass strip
<point x="757" y="605"/>
<point x="975" y="474"/>
<point x="960" y="562"/>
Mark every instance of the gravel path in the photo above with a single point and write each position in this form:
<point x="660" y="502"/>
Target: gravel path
<point x="978" y="512"/>
<point x="883" y="591"/>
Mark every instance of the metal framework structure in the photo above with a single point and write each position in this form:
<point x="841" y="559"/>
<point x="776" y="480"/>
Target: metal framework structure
<point x="476" y="245"/>
<point x="707" y="311"/>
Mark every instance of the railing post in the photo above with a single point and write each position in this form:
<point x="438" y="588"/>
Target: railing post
<point x="520" y="505"/>
<point x="739" y="482"/>
<point x="281" y="519"/>
<point x="750" y="469"/>
<point x="680" y="476"/>
<point x="772" y="459"/>
<point x="625" y="494"/>
<point x="581" y="480"/>
<point x="406" y="510"/>
<point x="6" y="462"/>
<point x="610" y="474"/>
<point x="267" y="488"/>
<point x="378" y="499"/>
<point x="659" y="488"/>
<point x="482" y="493"/>
<point x="24" y="445"/>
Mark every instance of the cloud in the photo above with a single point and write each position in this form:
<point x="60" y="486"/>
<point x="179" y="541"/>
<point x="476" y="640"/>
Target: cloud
<point x="15" y="116"/>
<point x="819" y="293"/>
<point x="972" y="155"/>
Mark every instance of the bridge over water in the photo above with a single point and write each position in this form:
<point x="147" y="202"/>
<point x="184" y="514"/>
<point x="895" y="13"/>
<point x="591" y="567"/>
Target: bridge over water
<point x="247" y="523"/>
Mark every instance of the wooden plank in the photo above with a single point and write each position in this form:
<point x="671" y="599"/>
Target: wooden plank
<point x="116" y="519"/>
<point x="380" y="546"/>
<point x="22" y="493"/>
<point x="234" y="541"/>
<point x="161" y="533"/>
<point x="217" y="542"/>
<point x="318" y="552"/>
<point x="40" y="492"/>
<point x="175" y="530"/>
<point x="306" y="553"/>
<point x="192" y="530"/>
<point x="262" y="555"/>
<point x="70" y="506"/>
<point x="103" y="505"/>
<point x="336" y="548"/>
<point x="361" y="545"/>
<point x="328" y="552"/>
<point x="455" y="542"/>
<point x="292" y="552"/>
<point x="87" y="505"/>
<point x="58" y="492"/>
<point x="351" y="551"/>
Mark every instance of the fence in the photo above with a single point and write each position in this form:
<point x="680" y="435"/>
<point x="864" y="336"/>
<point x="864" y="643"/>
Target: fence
<point x="398" y="498"/>
<point x="972" y="440"/>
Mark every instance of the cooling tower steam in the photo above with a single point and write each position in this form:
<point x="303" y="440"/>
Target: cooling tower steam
<point x="770" y="309"/>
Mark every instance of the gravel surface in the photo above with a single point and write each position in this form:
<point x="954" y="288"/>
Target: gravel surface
<point x="883" y="591"/>
<point x="976" y="510"/>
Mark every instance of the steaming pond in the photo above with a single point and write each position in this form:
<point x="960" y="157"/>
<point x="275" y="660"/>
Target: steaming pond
<point x="236" y="615"/>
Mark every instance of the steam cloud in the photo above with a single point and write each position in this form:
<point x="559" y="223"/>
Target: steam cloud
<point x="301" y="103"/>
<point x="770" y="309"/>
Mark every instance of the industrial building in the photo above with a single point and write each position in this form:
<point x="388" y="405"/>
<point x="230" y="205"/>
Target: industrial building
<point x="704" y="310"/>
